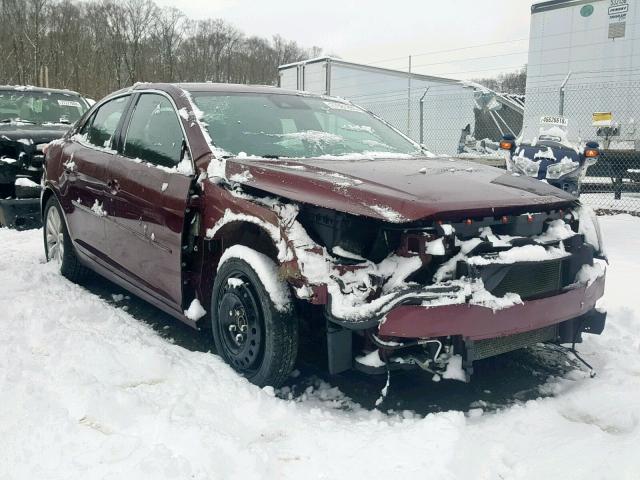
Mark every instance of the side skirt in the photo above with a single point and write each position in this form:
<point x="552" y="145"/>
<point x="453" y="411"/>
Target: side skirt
<point x="96" y="265"/>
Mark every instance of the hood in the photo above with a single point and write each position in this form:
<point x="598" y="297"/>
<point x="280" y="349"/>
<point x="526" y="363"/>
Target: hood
<point x="14" y="132"/>
<point x="399" y="190"/>
<point x="551" y="151"/>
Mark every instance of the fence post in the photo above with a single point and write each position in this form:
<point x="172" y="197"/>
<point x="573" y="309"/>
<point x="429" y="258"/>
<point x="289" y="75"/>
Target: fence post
<point x="422" y="115"/>
<point x="409" y="100"/>
<point x="564" y="84"/>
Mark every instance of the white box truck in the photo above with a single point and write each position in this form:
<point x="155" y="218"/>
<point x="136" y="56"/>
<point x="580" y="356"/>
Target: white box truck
<point x="451" y="109"/>
<point x="584" y="66"/>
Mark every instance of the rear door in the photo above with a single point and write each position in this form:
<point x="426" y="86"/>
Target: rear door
<point x="86" y="191"/>
<point x="150" y="198"/>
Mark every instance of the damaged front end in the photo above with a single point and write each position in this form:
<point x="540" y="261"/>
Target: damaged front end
<point x="438" y="294"/>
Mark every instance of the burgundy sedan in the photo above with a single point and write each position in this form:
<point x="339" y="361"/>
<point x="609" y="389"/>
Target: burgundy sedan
<point x="277" y="218"/>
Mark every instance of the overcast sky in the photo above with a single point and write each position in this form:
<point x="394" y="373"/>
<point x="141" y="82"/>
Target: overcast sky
<point x="376" y="31"/>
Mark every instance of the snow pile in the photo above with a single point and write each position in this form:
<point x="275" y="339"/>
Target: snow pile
<point x="90" y="392"/>
<point x="97" y="209"/>
<point x="25" y="182"/>
<point x="526" y="253"/>
<point x="315" y="137"/>
<point x="388" y="213"/>
<point x="195" y="311"/>
<point x="266" y="270"/>
<point x="589" y="227"/>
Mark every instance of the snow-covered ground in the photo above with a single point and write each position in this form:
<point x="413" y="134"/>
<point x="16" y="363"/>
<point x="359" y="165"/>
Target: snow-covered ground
<point x="88" y="391"/>
<point x="629" y="202"/>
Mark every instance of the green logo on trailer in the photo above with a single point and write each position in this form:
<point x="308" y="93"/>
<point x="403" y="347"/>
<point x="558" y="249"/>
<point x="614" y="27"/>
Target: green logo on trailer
<point x="586" y="11"/>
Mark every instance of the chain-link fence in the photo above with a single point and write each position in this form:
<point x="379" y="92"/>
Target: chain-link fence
<point x="450" y="124"/>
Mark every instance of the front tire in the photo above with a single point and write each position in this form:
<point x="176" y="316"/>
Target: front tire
<point x="250" y="333"/>
<point x="58" y="246"/>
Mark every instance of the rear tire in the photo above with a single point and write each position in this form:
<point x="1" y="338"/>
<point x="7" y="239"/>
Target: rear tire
<point x="250" y="334"/>
<point x="58" y="246"/>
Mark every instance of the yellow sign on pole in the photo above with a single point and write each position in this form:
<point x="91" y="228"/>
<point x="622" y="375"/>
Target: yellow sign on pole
<point x="602" y="119"/>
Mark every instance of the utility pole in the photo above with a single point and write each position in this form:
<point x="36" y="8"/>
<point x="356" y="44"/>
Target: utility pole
<point x="409" y="100"/>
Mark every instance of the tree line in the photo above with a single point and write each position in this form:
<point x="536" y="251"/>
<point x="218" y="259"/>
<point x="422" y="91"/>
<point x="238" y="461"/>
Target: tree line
<point x="97" y="46"/>
<point x="512" y="82"/>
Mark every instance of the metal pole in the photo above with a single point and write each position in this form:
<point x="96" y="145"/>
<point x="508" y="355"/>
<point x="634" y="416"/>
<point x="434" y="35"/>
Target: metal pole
<point x="46" y="76"/>
<point x="564" y="84"/>
<point x="409" y="100"/>
<point x="422" y="115"/>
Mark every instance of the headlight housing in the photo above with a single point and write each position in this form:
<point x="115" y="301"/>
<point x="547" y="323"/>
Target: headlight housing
<point x="562" y="168"/>
<point x="524" y="166"/>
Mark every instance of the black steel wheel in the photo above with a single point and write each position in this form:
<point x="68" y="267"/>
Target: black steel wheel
<point x="250" y="334"/>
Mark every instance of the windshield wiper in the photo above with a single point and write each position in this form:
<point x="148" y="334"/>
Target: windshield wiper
<point x="9" y="120"/>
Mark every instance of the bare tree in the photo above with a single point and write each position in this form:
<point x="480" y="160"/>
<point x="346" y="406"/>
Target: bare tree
<point x="97" y="46"/>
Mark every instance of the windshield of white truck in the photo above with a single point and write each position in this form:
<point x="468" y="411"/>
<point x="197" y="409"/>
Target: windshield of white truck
<point x="41" y="108"/>
<point x="278" y="125"/>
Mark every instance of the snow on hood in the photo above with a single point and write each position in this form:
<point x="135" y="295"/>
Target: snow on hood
<point x="395" y="190"/>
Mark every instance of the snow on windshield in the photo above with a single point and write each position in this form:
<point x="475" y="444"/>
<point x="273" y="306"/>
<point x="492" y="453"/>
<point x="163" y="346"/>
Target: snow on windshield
<point x="296" y="126"/>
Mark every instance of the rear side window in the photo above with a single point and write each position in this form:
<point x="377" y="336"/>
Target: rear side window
<point x="99" y="130"/>
<point x="154" y="133"/>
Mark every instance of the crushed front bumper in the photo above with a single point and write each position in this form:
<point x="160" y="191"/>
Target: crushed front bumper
<point x="473" y="322"/>
<point x="20" y="213"/>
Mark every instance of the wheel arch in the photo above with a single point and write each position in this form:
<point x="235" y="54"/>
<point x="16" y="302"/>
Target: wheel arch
<point x="47" y="193"/>
<point x="236" y="232"/>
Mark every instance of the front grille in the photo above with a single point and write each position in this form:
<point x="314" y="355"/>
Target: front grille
<point x="531" y="279"/>
<point x="496" y="346"/>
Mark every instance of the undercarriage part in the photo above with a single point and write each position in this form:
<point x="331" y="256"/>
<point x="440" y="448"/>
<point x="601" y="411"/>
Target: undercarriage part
<point x="480" y="349"/>
<point x="427" y="354"/>
<point x="339" y="348"/>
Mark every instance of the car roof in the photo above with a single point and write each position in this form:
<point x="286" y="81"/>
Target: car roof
<point x="31" y="88"/>
<point x="216" y="87"/>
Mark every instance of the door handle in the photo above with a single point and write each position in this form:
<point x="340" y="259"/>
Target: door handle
<point x="114" y="186"/>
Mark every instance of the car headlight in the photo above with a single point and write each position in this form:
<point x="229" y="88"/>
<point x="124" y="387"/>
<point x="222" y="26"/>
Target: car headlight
<point x="562" y="168"/>
<point x="40" y="147"/>
<point x="524" y="166"/>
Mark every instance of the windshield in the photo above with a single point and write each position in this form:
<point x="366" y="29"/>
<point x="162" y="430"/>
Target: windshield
<point x="276" y="125"/>
<point x="40" y="107"/>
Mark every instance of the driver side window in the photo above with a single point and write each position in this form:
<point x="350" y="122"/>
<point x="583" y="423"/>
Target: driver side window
<point x="101" y="127"/>
<point x="154" y="133"/>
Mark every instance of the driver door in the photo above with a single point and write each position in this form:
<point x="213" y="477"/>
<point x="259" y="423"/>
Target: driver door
<point x="149" y="199"/>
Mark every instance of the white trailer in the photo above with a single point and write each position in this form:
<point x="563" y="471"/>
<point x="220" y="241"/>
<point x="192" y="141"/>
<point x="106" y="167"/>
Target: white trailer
<point x="449" y="106"/>
<point x="584" y="59"/>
